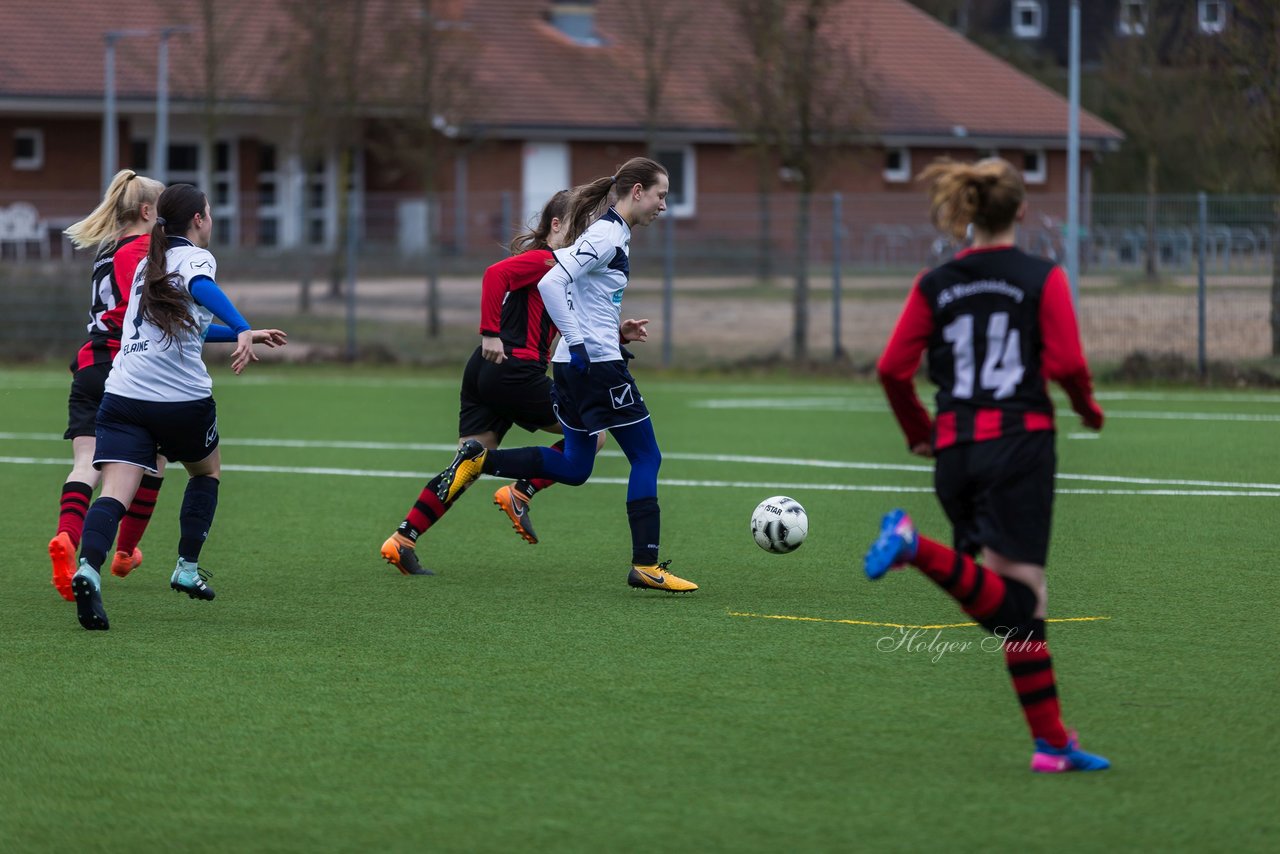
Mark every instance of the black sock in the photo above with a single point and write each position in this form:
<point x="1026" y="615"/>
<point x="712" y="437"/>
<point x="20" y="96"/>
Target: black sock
<point x="196" y="517"/>
<point x="100" y="525"/>
<point x="515" y="463"/>
<point x="646" y="523"/>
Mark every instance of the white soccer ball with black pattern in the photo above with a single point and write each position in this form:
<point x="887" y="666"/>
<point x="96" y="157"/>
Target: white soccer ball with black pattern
<point x="779" y="524"/>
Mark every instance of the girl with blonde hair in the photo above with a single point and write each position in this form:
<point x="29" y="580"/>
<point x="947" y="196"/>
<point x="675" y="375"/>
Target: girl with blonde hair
<point x="120" y="229"/>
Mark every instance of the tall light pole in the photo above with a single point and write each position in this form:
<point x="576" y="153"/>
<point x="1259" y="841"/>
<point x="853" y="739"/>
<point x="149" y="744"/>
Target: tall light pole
<point x="160" y="168"/>
<point x="1073" y="154"/>
<point x="110" y="156"/>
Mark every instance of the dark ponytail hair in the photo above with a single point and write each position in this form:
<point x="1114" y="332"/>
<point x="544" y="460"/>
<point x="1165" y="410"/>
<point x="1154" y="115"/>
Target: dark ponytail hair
<point x="589" y="200"/>
<point x="539" y="235"/>
<point x="163" y="302"/>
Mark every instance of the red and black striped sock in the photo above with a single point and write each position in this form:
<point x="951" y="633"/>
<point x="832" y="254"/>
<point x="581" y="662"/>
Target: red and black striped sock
<point x="74" y="504"/>
<point x="979" y="591"/>
<point x="426" y="511"/>
<point x="139" y="513"/>
<point x="1031" y="668"/>
<point x="1004" y="606"/>
<point x="535" y="484"/>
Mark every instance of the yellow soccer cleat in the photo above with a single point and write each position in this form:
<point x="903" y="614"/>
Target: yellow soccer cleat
<point x="658" y="577"/>
<point x="462" y="472"/>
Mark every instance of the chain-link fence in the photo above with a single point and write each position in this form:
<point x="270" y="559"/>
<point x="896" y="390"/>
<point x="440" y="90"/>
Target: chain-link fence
<point x="719" y="281"/>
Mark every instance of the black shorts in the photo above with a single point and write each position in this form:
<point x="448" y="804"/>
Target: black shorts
<point x="494" y="397"/>
<point x="135" y="431"/>
<point x="601" y="399"/>
<point x="999" y="494"/>
<point x="87" y="386"/>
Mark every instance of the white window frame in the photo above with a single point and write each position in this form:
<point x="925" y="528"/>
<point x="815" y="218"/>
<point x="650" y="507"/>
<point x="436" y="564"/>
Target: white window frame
<point x="35" y="161"/>
<point x="1128" y="24"/>
<point x="1211" y="28"/>
<point x="902" y="174"/>
<point x="1027" y="31"/>
<point x="1040" y="175"/>
<point x="689" y="204"/>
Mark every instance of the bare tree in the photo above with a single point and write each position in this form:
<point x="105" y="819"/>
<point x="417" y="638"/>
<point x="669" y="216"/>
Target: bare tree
<point x="430" y="88"/>
<point x="325" y="71"/>
<point x="810" y="98"/>
<point x="1251" y="47"/>
<point x="660" y="36"/>
<point x="1142" y="76"/>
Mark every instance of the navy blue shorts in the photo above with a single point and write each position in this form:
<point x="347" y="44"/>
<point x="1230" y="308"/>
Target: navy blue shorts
<point x="134" y="431"/>
<point x="603" y="398"/>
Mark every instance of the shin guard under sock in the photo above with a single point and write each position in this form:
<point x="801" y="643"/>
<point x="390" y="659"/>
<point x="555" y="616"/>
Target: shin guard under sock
<point x="199" y="503"/>
<point x="426" y="511"/>
<point x="136" y="518"/>
<point x="646" y="523"/>
<point x="1031" y="668"/>
<point x="76" y="496"/>
<point x="100" y="525"/>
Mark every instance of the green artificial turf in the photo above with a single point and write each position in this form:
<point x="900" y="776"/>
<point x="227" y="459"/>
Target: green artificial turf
<point x="526" y="699"/>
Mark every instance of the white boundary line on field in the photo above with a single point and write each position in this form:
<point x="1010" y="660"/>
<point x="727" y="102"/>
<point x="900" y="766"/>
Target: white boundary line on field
<point x="746" y="459"/>
<point x="710" y="484"/>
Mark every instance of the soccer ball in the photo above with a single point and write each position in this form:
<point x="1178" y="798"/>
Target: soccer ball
<point x="779" y="524"/>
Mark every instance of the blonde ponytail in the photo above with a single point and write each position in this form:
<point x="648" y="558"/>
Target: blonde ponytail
<point x="120" y="208"/>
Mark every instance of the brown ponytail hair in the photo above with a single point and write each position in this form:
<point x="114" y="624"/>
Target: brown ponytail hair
<point x="537" y="237"/>
<point x="987" y="193"/>
<point x="589" y="200"/>
<point x="163" y="301"/>
<point x="121" y="207"/>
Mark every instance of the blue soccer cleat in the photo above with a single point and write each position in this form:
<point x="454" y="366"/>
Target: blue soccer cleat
<point x="86" y="586"/>
<point x="1055" y="760"/>
<point x="189" y="578"/>
<point x="895" y="546"/>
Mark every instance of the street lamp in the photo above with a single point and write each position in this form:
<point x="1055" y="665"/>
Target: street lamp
<point x="110" y="157"/>
<point x="160" y="169"/>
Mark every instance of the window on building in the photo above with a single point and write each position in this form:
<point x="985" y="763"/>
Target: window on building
<point x="139" y="155"/>
<point x="897" y="165"/>
<point x="1212" y="16"/>
<point x="1133" y="18"/>
<point x="1034" y="168"/>
<point x="1028" y="19"/>
<point x="28" y="149"/>
<point x="681" y="166"/>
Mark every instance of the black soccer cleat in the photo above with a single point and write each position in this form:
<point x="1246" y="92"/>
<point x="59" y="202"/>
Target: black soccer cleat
<point x="86" y="586"/>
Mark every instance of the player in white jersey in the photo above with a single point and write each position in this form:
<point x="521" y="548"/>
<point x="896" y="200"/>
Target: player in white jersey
<point x="592" y="389"/>
<point x="158" y="398"/>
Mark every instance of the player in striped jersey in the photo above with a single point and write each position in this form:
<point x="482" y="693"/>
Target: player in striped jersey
<point x="505" y="381"/>
<point x="593" y="390"/>
<point x="997" y="324"/>
<point x="158" y="399"/>
<point x="121" y="229"/>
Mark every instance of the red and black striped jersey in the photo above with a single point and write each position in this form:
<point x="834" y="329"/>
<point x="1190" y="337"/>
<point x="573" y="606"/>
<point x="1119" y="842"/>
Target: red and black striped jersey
<point x="113" y="271"/>
<point x="511" y="307"/>
<point x="996" y="324"/>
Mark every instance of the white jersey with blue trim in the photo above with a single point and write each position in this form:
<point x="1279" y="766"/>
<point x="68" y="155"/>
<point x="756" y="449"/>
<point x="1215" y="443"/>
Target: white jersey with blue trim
<point x="598" y="266"/>
<point x="151" y="367"/>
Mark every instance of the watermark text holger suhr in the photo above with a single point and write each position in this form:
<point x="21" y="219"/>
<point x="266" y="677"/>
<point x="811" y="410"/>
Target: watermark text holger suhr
<point x="931" y="643"/>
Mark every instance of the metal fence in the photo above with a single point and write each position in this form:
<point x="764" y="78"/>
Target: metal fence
<point x="719" y="283"/>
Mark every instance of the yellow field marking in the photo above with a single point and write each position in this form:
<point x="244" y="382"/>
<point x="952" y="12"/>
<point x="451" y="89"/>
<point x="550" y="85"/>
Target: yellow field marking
<point x="897" y="625"/>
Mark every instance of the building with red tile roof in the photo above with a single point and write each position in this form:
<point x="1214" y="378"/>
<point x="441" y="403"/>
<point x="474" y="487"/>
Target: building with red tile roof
<point x="546" y="93"/>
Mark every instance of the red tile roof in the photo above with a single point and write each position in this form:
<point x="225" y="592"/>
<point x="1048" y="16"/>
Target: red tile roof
<point x="929" y="80"/>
